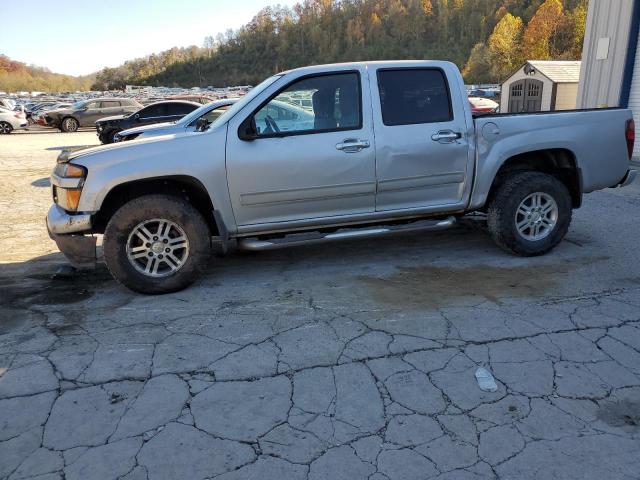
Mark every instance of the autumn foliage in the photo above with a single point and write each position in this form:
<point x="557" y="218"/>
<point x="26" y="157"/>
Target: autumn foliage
<point x="17" y="76"/>
<point x="487" y="39"/>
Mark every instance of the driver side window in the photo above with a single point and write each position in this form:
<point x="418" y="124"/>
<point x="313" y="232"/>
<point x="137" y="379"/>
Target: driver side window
<point x="322" y="103"/>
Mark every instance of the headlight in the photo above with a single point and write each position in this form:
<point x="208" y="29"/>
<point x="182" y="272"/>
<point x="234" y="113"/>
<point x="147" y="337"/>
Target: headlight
<point x="67" y="181"/>
<point x="69" y="170"/>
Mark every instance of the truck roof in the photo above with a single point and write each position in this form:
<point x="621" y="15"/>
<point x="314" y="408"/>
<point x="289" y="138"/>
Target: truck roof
<point x="373" y="63"/>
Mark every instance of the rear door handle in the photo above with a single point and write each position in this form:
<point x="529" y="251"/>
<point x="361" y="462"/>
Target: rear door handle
<point x="446" y="136"/>
<point x="352" y="145"/>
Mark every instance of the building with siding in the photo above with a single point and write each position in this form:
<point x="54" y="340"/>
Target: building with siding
<point x="541" y="85"/>
<point x="610" y="72"/>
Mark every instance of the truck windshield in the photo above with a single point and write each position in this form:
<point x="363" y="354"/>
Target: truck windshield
<point x="236" y="107"/>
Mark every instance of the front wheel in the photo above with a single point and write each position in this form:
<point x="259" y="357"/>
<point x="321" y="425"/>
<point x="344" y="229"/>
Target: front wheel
<point x="529" y="214"/>
<point x="109" y="136"/>
<point x="5" y="128"/>
<point x="69" y="124"/>
<point x="156" y="244"/>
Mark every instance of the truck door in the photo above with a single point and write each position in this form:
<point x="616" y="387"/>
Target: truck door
<point x="304" y="163"/>
<point x="422" y="156"/>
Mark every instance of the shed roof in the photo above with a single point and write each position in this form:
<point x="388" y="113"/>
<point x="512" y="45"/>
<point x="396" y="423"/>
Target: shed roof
<point x="558" y="71"/>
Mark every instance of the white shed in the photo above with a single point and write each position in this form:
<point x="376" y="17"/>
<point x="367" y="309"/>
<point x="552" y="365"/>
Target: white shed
<point x="541" y="85"/>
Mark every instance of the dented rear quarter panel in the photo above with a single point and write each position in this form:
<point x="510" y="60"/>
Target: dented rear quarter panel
<point x="596" y="138"/>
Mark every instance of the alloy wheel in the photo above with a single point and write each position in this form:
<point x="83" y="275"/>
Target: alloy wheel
<point x="536" y="216"/>
<point x="157" y="247"/>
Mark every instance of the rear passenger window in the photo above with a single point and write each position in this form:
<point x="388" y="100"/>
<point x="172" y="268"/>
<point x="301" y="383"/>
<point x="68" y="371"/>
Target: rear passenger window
<point x="180" y="108"/>
<point x="110" y="104"/>
<point x="410" y="96"/>
<point x="152" y="111"/>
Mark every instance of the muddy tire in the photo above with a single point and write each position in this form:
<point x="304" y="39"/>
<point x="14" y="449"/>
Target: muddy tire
<point x="529" y="214"/>
<point x="69" y="124"/>
<point x="157" y="244"/>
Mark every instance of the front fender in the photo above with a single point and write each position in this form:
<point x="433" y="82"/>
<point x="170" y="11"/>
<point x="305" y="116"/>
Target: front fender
<point x="197" y="155"/>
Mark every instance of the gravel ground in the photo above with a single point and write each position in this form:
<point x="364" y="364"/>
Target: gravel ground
<point x="344" y="361"/>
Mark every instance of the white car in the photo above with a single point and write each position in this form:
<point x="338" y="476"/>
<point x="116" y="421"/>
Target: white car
<point x="7" y="103"/>
<point x="11" y="120"/>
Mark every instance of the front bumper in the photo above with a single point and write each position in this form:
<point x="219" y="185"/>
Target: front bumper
<point x="61" y="222"/>
<point x="65" y="230"/>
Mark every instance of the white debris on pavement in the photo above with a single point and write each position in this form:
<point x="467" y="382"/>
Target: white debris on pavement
<point x="485" y="380"/>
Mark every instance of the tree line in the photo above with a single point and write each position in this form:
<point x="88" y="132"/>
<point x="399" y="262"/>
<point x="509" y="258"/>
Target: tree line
<point x="17" y="77"/>
<point x="487" y="39"/>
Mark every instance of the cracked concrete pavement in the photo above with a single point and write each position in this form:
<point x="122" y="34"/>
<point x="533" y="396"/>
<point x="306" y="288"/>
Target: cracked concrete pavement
<point x="345" y="361"/>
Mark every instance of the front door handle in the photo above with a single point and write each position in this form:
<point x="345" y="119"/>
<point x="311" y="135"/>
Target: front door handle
<point x="446" y="136"/>
<point x="352" y="145"/>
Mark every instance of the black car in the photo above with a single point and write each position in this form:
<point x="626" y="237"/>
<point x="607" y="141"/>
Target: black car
<point x="159" y="112"/>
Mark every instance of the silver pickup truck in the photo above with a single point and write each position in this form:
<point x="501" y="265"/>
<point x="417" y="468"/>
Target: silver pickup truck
<point x="372" y="149"/>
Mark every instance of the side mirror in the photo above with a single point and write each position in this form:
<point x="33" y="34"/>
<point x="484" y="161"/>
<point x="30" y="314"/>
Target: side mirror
<point x="136" y="116"/>
<point x="248" y="130"/>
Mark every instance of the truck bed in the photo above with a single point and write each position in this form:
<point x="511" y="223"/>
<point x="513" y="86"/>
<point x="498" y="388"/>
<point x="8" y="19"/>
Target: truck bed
<point x="594" y="138"/>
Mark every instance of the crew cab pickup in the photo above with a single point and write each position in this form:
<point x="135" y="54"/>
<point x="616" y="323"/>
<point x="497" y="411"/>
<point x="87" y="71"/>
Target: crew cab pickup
<point x="374" y="148"/>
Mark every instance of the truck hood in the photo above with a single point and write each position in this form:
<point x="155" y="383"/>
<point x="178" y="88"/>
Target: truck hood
<point x="69" y="154"/>
<point x="146" y="128"/>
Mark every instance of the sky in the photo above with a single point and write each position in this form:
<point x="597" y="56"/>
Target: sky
<point x="79" y="37"/>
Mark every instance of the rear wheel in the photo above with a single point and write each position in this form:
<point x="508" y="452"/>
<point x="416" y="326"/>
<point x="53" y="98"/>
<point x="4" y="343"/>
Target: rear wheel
<point x="69" y="124"/>
<point x="530" y="213"/>
<point x="157" y="244"/>
<point x="5" y="128"/>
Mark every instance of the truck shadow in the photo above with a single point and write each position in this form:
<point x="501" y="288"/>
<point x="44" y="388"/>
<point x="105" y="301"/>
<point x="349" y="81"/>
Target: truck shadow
<point x="405" y="271"/>
<point x="41" y="182"/>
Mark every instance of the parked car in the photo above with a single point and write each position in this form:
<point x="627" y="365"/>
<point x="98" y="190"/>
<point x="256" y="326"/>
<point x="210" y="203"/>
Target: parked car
<point x="189" y="123"/>
<point x="7" y="103"/>
<point x="38" y="116"/>
<point x="85" y="112"/>
<point x="481" y="105"/>
<point x="201" y="99"/>
<point x="11" y="120"/>
<point x="245" y="181"/>
<point x="485" y="92"/>
<point x="160" y="112"/>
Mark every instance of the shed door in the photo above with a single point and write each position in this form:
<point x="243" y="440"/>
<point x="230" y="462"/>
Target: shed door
<point x="525" y="95"/>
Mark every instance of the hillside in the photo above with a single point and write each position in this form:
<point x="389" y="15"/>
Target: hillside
<point x="488" y="38"/>
<point x="17" y="76"/>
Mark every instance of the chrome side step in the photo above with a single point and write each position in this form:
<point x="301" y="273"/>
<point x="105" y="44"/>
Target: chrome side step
<point x="308" y="238"/>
